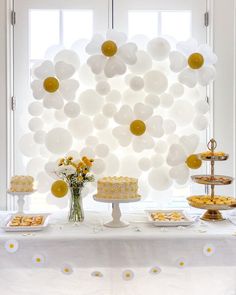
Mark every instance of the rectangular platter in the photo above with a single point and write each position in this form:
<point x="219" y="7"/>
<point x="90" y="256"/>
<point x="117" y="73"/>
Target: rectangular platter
<point x="185" y="221"/>
<point x="5" y="224"/>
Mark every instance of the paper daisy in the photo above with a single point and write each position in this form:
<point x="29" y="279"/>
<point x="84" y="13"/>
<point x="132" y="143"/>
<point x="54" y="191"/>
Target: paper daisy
<point x="137" y="126"/>
<point x="11" y="246"/>
<point x="155" y="270"/>
<point x="67" y="269"/>
<point x="195" y="63"/>
<point x="127" y="275"/>
<point x="208" y="249"/>
<point x="111" y="54"/>
<point x="97" y="274"/>
<point x="181" y="263"/>
<point x="38" y="259"/>
<point x="53" y="83"/>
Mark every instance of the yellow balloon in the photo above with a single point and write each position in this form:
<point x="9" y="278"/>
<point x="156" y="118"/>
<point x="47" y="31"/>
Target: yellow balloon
<point x="137" y="127"/>
<point x="195" y="61"/>
<point x="109" y="48"/>
<point x="51" y="84"/>
<point x="193" y="162"/>
<point x="59" y="188"/>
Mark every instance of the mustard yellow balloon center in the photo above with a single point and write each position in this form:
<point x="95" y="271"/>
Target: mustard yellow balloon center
<point x="193" y="162"/>
<point x="109" y="48"/>
<point x="59" y="188"/>
<point x="51" y="84"/>
<point x="137" y="127"/>
<point x="195" y="61"/>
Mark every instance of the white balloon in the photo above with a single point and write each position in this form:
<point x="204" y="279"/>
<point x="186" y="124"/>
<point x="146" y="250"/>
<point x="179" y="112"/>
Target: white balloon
<point x="200" y="122"/>
<point x="169" y="126"/>
<point x="132" y="97"/>
<point x="86" y="76"/>
<point x="188" y="77"/>
<point x="180" y="173"/>
<point x="107" y="137"/>
<point x="128" y="53"/>
<point x="161" y="146"/>
<point x="155" y="126"/>
<point x="102" y="150"/>
<point x="143" y="63"/>
<point x="159" y="179"/>
<point x="39" y="136"/>
<point x="172" y="139"/>
<point x="142" y="111"/>
<point x="206" y="75"/>
<point x="73" y="154"/>
<point x="158" y="48"/>
<point x="80" y="127"/>
<point x="35" y="109"/>
<point x="34" y="166"/>
<point x="124" y="115"/>
<point x="38" y="89"/>
<point x="109" y="110"/>
<point x="63" y="70"/>
<point x="98" y="167"/>
<point x="202" y="106"/>
<point x="68" y="56"/>
<point x="114" y="97"/>
<point x="190" y="142"/>
<point x="46" y="69"/>
<point x="157" y="160"/>
<point x="58" y="141"/>
<point x="97" y="63"/>
<point x="176" y="155"/>
<point x="155" y="82"/>
<point x="35" y="124"/>
<point x="117" y="36"/>
<point x="50" y="168"/>
<point x="114" y="66"/>
<point x="100" y="122"/>
<point x="91" y="140"/>
<point x="140" y="143"/>
<point x="123" y="135"/>
<point x="60" y="116"/>
<point x="166" y="100"/>
<point x="103" y="87"/>
<point x="94" y="46"/>
<point x="68" y="89"/>
<point x="140" y="40"/>
<point x="53" y="101"/>
<point x="44" y="183"/>
<point x="72" y="109"/>
<point x="88" y="152"/>
<point x="177" y="89"/>
<point x="90" y="102"/>
<point x="129" y="166"/>
<point x="177" y="61"/>
<point x="136" y="83"/>
<point x="144" y="164"/>
<point x="44" y="152"/>
<point x="112" y="165"/>
<point x="152" y="100"/>
<point x="182" y="112"/>
<point x="27" y="145"/>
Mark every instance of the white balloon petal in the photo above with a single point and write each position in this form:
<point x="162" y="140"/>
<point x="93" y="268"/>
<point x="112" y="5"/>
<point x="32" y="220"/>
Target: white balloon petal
<point x="90" y="102"/>
<point x="94" y="46"/>
<point x="53" y="101"/>
<point x="158" y="48"/>
<point x="46" y="69"/>
<point x="96" y="63"/>
<point x="69" y="57"/>
<point x="155" y="126"/>
<point x="187" y="47"/>
<point x="188" y="77"/>
<point x="140" y="143"/>
<point x="177" y="61"/>
<point x="58" y="141"/>
<point x="190" y="142"/>
<point x="114" y="66"/>
<point x="64" y="71"/>
<point x="124" y="116"/>
<point x="206" y="75"/>
<point x="143" y="63"/>
<point x="72" y="109"/>
<point x="155" y="82"/>
<point x="123" y="135"/>
<point x="127" y="53"/>
<point x="68" y="88"/>
<point x="37" y="88"/>
<point x="142" y="111"/>
<point x="116" y="36"/>
<point x="80" y="127"/>
<point x="176" y="155"/>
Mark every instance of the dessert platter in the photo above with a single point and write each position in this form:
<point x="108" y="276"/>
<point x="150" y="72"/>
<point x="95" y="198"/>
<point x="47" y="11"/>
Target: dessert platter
<point x="116" y="190"/>
<point x="212" y="203"/>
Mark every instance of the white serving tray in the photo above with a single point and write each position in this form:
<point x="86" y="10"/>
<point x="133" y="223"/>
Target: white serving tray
<point x="5" y="223"/>
<point x="188" y="220"/>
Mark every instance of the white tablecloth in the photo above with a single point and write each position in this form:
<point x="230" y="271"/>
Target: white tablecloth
<point x="180" y="254"/>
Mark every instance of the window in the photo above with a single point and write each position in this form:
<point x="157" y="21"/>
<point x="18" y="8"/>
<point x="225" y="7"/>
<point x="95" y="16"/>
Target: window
<point x="69" y="25"/>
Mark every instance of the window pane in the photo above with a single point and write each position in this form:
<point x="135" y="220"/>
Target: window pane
<point x="42" y="34"/>
<point x="143" y="23"/>
<point x="176" y="24"/>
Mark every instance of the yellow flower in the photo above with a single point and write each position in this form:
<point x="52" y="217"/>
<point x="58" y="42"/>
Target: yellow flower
<point x="70" y="158"/>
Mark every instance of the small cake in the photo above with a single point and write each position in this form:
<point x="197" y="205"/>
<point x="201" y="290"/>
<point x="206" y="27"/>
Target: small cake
<point x="209" y="200"/>
<point x="22" y="183"/>
<point x="117" y="188"/>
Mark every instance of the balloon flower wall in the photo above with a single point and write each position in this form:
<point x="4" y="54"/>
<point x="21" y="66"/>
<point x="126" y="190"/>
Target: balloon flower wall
<point x="138" y="108"/>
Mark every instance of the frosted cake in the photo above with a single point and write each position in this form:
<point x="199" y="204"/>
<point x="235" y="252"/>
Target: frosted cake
<point x="21" y="183"/>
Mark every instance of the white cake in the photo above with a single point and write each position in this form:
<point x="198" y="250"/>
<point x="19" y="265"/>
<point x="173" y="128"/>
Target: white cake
<point x="22" y="183"/>
<point x="117" y="188"/>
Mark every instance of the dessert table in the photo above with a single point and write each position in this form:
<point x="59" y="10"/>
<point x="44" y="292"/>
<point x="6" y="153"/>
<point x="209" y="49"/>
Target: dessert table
<point x="92" y="259"/>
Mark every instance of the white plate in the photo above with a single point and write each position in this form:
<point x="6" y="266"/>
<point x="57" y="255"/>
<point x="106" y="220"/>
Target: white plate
<point x="187" y="219"/>
<point x="5" y="223"/>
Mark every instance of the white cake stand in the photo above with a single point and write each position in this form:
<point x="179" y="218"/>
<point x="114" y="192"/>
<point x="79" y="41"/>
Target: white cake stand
<point x="21" y="199"/>
<point x="116" y="213"/>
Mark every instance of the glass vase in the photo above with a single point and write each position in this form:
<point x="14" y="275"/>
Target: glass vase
<point x="76" y="213"/>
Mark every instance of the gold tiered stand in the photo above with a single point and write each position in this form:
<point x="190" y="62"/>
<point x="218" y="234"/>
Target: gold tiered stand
<point x="212" y="207"/>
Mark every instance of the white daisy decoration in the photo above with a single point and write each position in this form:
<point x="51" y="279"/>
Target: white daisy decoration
<point x="11" y="246"/>
<point x="181" y="262"/>
<point x="67" y="269"/>
<point x="111" y="54"/>
<point x="194" y="63"/>
<point x="137" y="126"/>
<point x="128" y="275"/>
<point x="38" y="259"/>
<point x="53" y="83"/>
<point x="155" y="270"/>
<point x="97" y="274"/>
<point x="209" y="249"/>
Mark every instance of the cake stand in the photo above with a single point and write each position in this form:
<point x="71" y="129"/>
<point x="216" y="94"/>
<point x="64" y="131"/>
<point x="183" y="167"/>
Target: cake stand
<point x="212" y="213"/>
<point x="116" y="213"/>
<point x="21" y="199"/>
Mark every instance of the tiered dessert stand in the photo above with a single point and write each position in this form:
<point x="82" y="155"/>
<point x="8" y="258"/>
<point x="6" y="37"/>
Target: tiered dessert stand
<point x="21" y="199"/>
<point x="212" y="180"/>
<point x="116" y="213"/>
